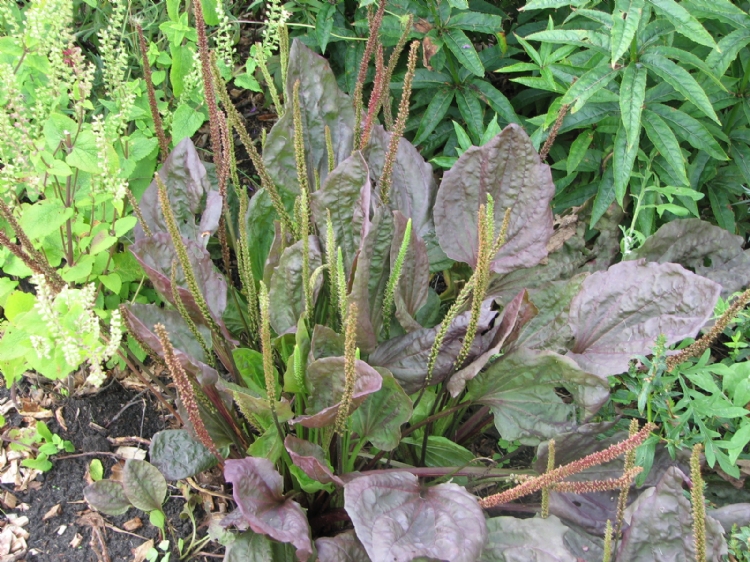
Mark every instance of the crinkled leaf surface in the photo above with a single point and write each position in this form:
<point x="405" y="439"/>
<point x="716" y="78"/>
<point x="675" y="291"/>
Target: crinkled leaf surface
<point x="141" y="318"/>
<point x="260" y="219"/>
<point x="287" y="292"/>
<point x="344" y="547"/>
<point x="327" y="378"/>
<point x="381" y="415"/>
<point x="190" y="195"/>
<point x="311" y="459"/>
<point x="144" y="485"/>
<point x="156" y="254"/>
<point x="619" y="313"/>
<point x="732" y="514"/>
<point x="406" y="356"/>
<point x="325" y="343"/>
<point x="346" y="195"/>
<point x="413" y="189"/>
<point x="178" y="455"/>
<point x="258" y="490"/>
<point x="107" y="496"/>
<point x="509" y="169"/>
<point x="411" y="291"/>
<point x="321" y="104"/>
<point x="249" y="547"/>
<point x="511" y="539"/>
<point x="511" y="316"/>
<point x="661" y="526"/>
<point x="706" y="249"/>
<point x="397" y="520"/>
<point x="520" y="390"/>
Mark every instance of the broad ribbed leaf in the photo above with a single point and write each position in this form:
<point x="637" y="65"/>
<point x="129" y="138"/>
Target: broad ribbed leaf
<point x="380" y="417"/>
<point x="690" y="129"/>
<point x="666" y="143"/>
<point x="682" y="81"/>
<point x="511" y="539"/>
<point x="398" y="520"/>
<point x="107" y="496"/>
<point x="589" y="84"/>
<point x="706" y="249"/>
<point x="344" y="547"/>
<point x="662" y="516"/>
<point x="325" y="343"/>
<point x="259" y="494"/>
<point x="462" y="47"/>
<point x="346" y="195"/>
<point x="683" y="22"/>
<point x="287" y="292"/>
<point x="327" y="378"/>
<point x="144" y="485"/>
<point x="632" y="95"/>
<point x="177" y="454"/>
<point x="509" y="169"/>
<point x="413" y="187"/>
<point x="520" y="390"/>
<point x="321" y="103"/>
<point x="622" y="164"/>
<point x="619" y="313"/>
<point x="249" y="547"/>
<point x="311" y="459"/>
<point x="190" y="195"/>
<point x="625" y="20"/>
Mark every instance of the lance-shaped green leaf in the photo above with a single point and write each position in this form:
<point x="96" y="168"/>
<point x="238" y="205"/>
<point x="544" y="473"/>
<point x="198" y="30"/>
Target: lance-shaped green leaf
<point x="463" y="49"/>
<point x="413" y="187"/>
<point x="666" y="143"/>
<point x="510" y="170"/>
<point x="662" y="516"/>
<point x="623" y="159"/>
<point x="397" y="519"/>
<point x="620" y="313"/>
<point x="510" y="539"/>
<point x="706" y="249"/>
<point x="434" y="114"/>
<point x="581" y="37"/>
<point x="632" y="96"/>
<point x="322" y="104"/>
<point x="177" y="454"/>
<point x="545" y="4"/>
<point x="496" y="100"/>
<point x="683" y="22"/>
<point x="605" y="195"/>
<point x="346" y="195"/>
<point x="258" y="490"/>
<point x="472" y="112"/>
<point x="727" y="50"/>
<point x="578" y="149"/>
<point x="327" y="379"/>
<point x="723" y="10"/>
<point x="689" y="129"/>
<point x="344" y="547"/>
<point x="681" y="80"/>
<point x="311" y="459"/>
<point x="589" y="84"/>
<point x="380" y="417"/>
<point x="520" y="390"/>
<point x="287" y="290"/>
<point x="625" y="21"/>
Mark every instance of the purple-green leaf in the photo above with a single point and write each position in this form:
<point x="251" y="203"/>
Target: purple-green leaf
<point x="620" y="313"/>
<point x="178" y="455"/>
<point x="509" y="169"/>
<point x="520" y="390"/>
<point x="107" y="496"/>
<point x="706" y="249"/>
<point x="398" y="520"/>
<point x="311" y="459"/>
<point x="327" y="378"/>
<point x="344" y="547"/>
<point x="511" y="539"/>
<point x="144" y="485"/>
<point x="258" y="490"/>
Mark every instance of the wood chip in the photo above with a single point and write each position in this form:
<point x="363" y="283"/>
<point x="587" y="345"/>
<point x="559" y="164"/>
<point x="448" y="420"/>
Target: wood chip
<point x="54" y="511"/>
<point x="76" y="542"/>
<point x="131" y="453"/>
<point x="133" y="524"/>
<point x="61" y="530"/>
<point x="9" y="500"/>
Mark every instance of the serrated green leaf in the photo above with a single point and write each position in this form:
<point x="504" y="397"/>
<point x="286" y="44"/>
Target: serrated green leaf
<point x="690" y="129"/>
<point x="476" y="21"/>
<point x="492" y="130"/>
<point x="625" y="20"/>
<point x="519" y="67"/>
<point x="578" y="150"/>
<point x="741" y="157"/>
<point x="324" y="24"/>
<point x="464" y="142"/>
<point x="463" y="49"/>
<point x="688" y="59"/>
<point x="545" y="4"/>
<point x="666" y="143"/>
<point x="681" y="80"/>
<point x="459" y="4"/>
<point x="471" y="111"/>
<point x="530" y="50"/>
<point x="588" y="84"/>
<point x="582" y="37"/>
<point x="684" y="23"/>
<point x="605" y="195"/>
<point x="434" y="114"/>
<point x="632" y="95"/>
<point x="722" y="209"/>
<point x="623" y="159"/>
<point x="44" y="217"/>
<point x="727" y="50"/>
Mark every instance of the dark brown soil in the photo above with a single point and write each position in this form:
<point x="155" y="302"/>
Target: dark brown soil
<point x="90" y="421"/>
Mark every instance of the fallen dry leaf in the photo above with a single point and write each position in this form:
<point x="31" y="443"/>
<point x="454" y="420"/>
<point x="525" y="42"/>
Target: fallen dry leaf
<point x="139" y="554"/>
<point x="131" y="453"/>
<point x="9" y="500"/>
<point x="133" y="524"/>
<point x="60" y="419"/>
<point x="54" y="511"/>
<point x="76" y="542"/>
